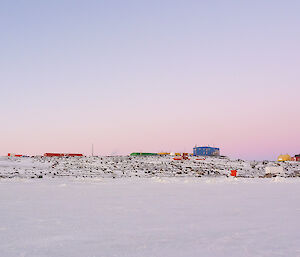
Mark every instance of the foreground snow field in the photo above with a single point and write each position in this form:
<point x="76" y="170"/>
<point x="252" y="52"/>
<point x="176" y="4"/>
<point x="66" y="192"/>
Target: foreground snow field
<point x="150" y="217"/>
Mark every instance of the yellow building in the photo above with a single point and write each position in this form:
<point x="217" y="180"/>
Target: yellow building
<point x="163" y="153"/>
<point x="284" y="157"/>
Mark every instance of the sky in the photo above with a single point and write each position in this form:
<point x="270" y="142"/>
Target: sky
<point x="159" y="75"/>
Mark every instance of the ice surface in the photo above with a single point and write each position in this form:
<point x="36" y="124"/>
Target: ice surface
<point x="150" y="217"/>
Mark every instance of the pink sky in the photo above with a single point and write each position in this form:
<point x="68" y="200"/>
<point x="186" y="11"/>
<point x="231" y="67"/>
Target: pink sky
<point x="157" y="76"/>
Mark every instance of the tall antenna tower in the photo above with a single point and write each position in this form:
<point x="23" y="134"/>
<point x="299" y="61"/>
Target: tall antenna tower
<point x="92" y="149"/>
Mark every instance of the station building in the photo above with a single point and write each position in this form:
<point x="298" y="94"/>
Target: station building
<point x="206" y="151"/>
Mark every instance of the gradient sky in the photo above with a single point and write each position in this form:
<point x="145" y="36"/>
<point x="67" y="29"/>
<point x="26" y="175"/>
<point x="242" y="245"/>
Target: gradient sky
<point x="159" y="75"/>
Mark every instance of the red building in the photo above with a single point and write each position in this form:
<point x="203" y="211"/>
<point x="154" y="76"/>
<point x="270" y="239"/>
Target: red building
<point x="74" y="154"/>
<point x="297" y="158"/>
<point x="53" y="154"/>
<point x="14" y="155"/>
<point x="62" y="154"/>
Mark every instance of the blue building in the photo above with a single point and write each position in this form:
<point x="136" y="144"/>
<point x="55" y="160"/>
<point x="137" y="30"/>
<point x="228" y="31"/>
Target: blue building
<point x="206" y="151"/>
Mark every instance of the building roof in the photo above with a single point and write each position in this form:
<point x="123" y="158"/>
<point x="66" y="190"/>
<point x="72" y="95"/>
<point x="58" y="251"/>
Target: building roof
<point x="206" y="147"/>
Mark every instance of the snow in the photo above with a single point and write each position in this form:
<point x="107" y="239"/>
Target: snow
<point x="147" y="206"/>
<point x="159" y="216"/>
